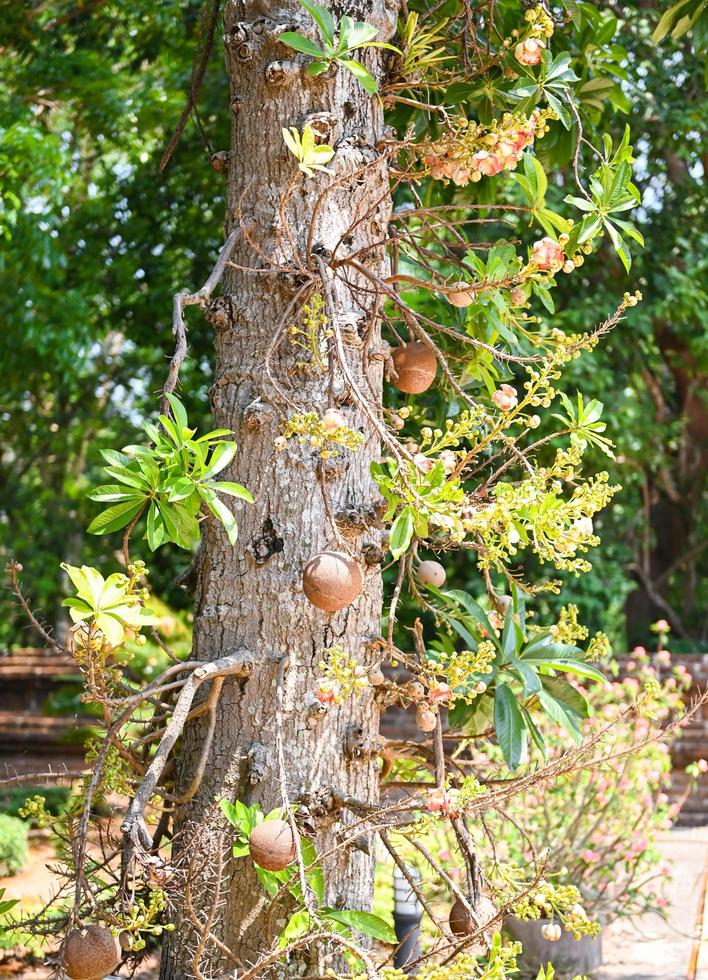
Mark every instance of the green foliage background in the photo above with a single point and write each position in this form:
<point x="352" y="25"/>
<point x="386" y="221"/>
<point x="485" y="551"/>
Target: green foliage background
<point x="95" y="241"/>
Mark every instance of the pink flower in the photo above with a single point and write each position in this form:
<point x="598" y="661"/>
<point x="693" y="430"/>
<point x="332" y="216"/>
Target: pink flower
<point x="662" y="902"/>
<point x="488" y="164"/>
<point x="529" y="52"/>
<point x="547" y="254"/>
<point x="422" y="463"/>
<point x="590" y="857"/>
<point x="443" y="802"/>
<point x="505" y="398"/>
<point x="448" y="459"/>
<point x="639" y="652"/>
<point x="508" y="153"/>
<point x="458" y="173"/>
<point x="332" y="420"/>
<point x="702" y="765"/>
<point x="439" y="692"/>
<point x="662" y="626"/>
<point x="327" y="691"/>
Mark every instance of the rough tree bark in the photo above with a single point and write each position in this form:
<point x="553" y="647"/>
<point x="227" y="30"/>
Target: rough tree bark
<point x="250" y="596"/>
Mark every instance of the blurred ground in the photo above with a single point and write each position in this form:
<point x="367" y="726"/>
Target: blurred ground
<point x="649" y="948"/>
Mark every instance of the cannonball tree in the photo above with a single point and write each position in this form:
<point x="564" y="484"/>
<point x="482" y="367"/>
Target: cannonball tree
<point x="385" y="350"/>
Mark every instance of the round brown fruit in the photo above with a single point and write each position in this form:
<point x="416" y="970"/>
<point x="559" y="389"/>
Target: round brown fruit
<point x="416" y="366"/>
<point x="425" y="718"/>
<point x="431" y="573"/>
<point x="462" y="923"/>
<point x="272" y="845"/>
<point x="460" y="295"/>
<point x="331" y="580"/>
<point x="90" y="952"/>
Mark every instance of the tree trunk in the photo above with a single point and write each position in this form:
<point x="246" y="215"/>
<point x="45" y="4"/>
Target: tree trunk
<point x="250" y="596"/>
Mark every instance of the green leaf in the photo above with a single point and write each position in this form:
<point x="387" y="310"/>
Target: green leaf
<point x="322" y="17"/>
<point x="155" y="530"/>
<point x="180" y="489"/>
<point x="533" y="731"/>
<point x="114" y="491"/>
<point x="299" y="43"/>
<point x="666" y="21"/>
<point x="232" y="489"/>
<point x="178" y="410"/>
<point x="220" y="459"/>
<point x="362" y="74"/>
<point x="529" y="677"/>
<point x="315" y="876"/>
<point x="566" y="694"/>
<point x="222" y="513"/>
<point x="317" y="68"/>
<point x="358" y="33"/>
<point x="131" y="478"/>
<point x="238" y="815"/>
<point x="299" y="923"/>
<point x="115" y="458"/>
<point x="401" y="533"/>
<point x="509" y="726"/>
<point x="568" y="666"/>
<point x="115" y="517"/>
<point x="366" y="923"/>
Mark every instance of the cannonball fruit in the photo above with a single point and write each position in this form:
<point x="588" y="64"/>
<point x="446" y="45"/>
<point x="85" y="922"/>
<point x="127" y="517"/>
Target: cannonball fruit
<point x="416" y="366"/>
<point x="460" y="295"/>
<point x="425" y="718"/>
<point x="272" y="845"/>
<point x="331" y="580"/>
<point x="462" y="923"/>
<point x="415" y="690"/>
<point x="431" y="573"/>
<point x="90" y="953"/>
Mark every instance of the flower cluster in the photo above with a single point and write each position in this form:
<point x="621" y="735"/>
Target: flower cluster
<point x="340" y="677"/>
<point x="321" y="433"/>
<point x="549" y="901"/>
<point x="499" y="963"/>
<point x="529" y="51"/>
<point x="461" y="671"/>
<point x="470" y="151"/>
<point x="568" y="629"/>
<point x="143" y="918"/>
<point x="534" y="512"/>
<point x="308" y="333"/>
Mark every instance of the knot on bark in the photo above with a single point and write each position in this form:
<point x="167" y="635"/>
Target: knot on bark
<point x="359" y="747"/>
<point x="219" y="313"/>
<point x="267" y="544"/>
<point x="220" y="161"/>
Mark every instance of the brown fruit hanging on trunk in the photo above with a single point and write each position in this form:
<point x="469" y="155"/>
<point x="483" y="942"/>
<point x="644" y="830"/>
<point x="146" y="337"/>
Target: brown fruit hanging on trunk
<point x="331" y="580"/>
<point x="416" y="366"/>
<point x="272" y="845"/>
<point x="90" y="952"/>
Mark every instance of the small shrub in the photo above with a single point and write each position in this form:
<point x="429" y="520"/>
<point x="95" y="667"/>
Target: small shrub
<point x="13" y="845"/>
